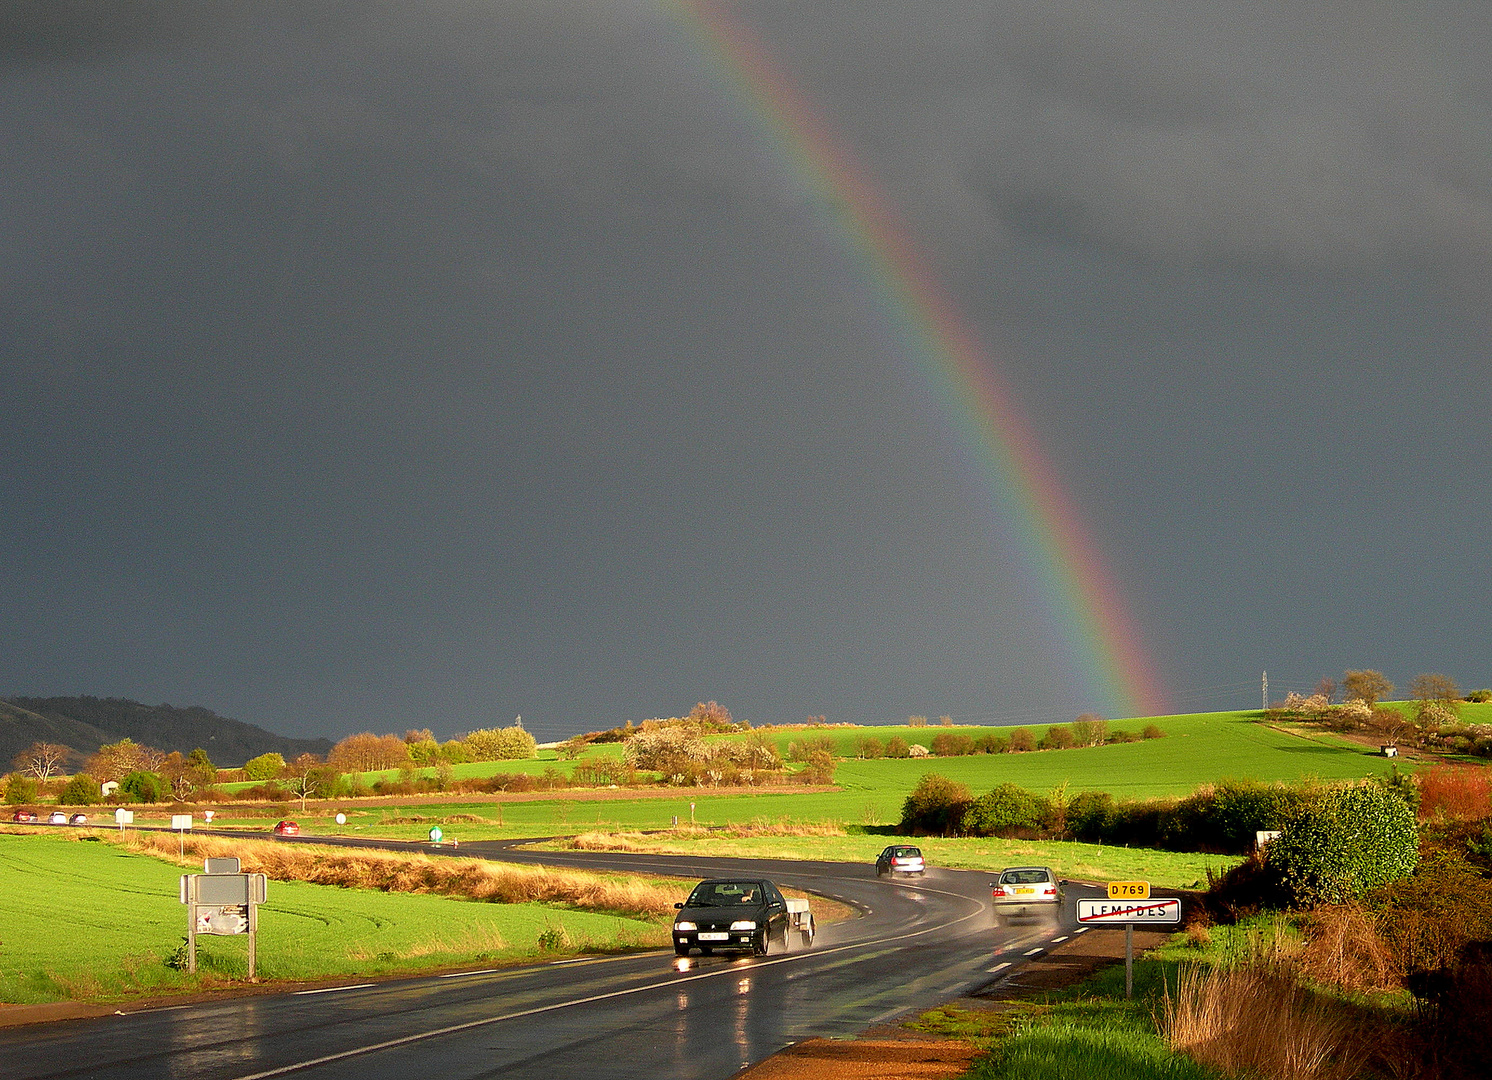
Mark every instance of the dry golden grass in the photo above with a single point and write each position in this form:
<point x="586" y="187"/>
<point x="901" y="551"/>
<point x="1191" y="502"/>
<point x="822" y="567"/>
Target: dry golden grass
<point x="394" y="871"/>
<point x="1343" y="947"/>
<point x="1258" y="1020"/>
<point x="636" y="841"/>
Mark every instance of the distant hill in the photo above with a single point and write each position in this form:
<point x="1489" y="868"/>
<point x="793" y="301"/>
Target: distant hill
<point x="86" y="723"/>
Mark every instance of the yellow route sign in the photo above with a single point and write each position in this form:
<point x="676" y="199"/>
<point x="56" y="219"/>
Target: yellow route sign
<point x="1129" y="890"/>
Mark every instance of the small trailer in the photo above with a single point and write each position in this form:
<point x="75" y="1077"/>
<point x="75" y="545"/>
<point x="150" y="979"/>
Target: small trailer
<point x="800" y="919"/>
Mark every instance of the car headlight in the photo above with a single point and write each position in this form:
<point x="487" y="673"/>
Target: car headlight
<point x="684" y="926"/>
<point x="743" y="924"/>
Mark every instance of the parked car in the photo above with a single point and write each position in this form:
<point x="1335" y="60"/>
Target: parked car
<point x="80" y="819"/>
<point x="23" y="815"/>
<point x="1026" y="890"/>
<point x="287" y="828"/>
<point x="900" y="859"/>
<point x="56" y="817"/>
<point x="730" y="914"/>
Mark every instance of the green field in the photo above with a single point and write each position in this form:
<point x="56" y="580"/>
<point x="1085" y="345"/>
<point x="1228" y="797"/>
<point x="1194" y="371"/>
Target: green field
<point x="87" y="920"/>
<point x="1197" y="749"/>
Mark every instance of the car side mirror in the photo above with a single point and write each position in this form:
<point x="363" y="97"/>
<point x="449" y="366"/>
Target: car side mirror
<point x="678" y="905"/>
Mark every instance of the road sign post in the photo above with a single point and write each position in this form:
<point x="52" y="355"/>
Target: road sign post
<point x="1118" y="911"/>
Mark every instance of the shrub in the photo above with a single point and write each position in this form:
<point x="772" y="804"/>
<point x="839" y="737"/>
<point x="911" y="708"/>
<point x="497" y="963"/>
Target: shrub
<point x="1021" y="740"/>
<point x="1151" y="731"/>
<point x="365" y="752"/>
<point x="81" y="790"/>
<point x="948" y="744"/>
<point x="1225" y="817"/>
<point x="896" y="747"/>
<point x="1479" y="696"/>
<point x="425" y="752"/>
<point x="1349" y="841"/>
<point x="1057" y="737"/>
<point x="991" y="744"/>
<point x="20" y="789"/>
<point x="1005" y="810"/>
<point x="936" y="805"/>
<point x="500" y="744"/>
<point x="820" y="768"/>
<point x="868" y="746"/>
<point x="1455" y="792"/>
<point x="141" y="786"/>
<point x="1090" y="814"/>
<point x="603" y="772"/>
<point x="1119" y="735"/>
<point x="264" y="767"/>
<point x="918" y="750"/>
<point x="1432" y="916"/>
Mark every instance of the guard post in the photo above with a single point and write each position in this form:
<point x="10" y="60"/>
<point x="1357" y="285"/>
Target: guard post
<point x="1129" y="905"/>
<point x="225" y="902"/>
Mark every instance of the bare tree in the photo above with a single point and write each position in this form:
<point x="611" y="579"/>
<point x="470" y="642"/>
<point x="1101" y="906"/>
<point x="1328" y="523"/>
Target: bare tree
<point x="42" y="760"/>
<point x="1327" y="688"/>
<point x="1441" y="688"/>
<point x="1367" y="686"/>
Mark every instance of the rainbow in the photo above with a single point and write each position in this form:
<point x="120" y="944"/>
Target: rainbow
<point x="1088" y="619"/>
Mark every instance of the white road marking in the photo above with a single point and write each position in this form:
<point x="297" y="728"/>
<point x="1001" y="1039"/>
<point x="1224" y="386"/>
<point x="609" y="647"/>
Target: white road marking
<point x="1034" y="952"/>
<point x="1082" y="930"/>
<point x="463" y="974"/>
<point x="334" y="989"/>
<point x="998" y="968"/>
<point x="1057" y="939"/>
<point x="421" y="1036"/>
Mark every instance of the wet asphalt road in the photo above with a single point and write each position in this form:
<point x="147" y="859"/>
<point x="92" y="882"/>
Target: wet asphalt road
<point x="919" y="942"/>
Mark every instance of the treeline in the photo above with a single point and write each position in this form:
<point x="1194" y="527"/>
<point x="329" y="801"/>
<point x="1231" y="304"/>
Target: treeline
<point x="1086" y="730"/>
<point x="1222" y="818"/>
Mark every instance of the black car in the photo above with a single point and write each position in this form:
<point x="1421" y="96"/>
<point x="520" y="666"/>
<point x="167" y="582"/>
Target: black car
<point x="731" y="914"/>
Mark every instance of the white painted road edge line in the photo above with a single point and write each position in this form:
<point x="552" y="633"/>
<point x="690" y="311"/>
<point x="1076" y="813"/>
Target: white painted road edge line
<point x="334" y="989"/>
<point x="463" y="974"/>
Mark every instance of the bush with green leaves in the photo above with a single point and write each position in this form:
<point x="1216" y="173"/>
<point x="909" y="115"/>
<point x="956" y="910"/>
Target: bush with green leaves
<point x="81" y="790"/>
<point x="500" y="744"/>
<point x="141" y="786"/>
<point x="20" y="789"/>
<point x="1007" y="810"/>
<point x="1226" y="816"/>
<point x="1345" y="843"/>
<point x="264" y="767"/>
<point x="935" y="807"/>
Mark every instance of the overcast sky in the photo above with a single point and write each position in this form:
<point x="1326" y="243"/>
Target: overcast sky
<point x="391" y="364"/>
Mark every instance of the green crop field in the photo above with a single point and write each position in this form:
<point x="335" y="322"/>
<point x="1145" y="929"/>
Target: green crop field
<point x="1195" y="750"/>
<point x="87" y="920"/>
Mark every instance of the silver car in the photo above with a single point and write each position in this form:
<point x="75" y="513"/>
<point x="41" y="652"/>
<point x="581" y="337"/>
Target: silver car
<point x="1027" y="890"/>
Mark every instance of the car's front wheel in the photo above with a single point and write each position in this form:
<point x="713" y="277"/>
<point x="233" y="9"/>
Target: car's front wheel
<point x="763" y="943"/>
<point x="681" y="950"/>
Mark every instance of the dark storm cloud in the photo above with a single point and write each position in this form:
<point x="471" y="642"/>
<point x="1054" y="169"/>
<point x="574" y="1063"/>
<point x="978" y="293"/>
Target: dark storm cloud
<point x="1323" y="134"/>
<point x="380" y="364"/>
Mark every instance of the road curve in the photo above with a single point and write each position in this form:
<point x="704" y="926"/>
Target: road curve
<point x="918" y="942"/>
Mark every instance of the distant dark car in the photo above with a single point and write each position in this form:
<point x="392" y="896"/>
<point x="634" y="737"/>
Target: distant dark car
<point x="56" y="817"/>
<point x="80" y="819"/>
<point x="900" y="859"/>
<point x="23" y="815"/>
<point x="1025" y="890"/>
<point x="287" y="828"/>
<point x="729" y="914"/>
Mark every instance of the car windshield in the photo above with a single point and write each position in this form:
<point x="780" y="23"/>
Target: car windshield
<point x="1024" y="877"/>
<point x="725" y="894"/>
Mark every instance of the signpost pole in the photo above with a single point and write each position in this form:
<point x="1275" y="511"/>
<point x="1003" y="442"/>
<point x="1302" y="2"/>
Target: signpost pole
<point x="253" y="937"/>
<point x="1129" y="961"/>
<point x="192" y="937"/>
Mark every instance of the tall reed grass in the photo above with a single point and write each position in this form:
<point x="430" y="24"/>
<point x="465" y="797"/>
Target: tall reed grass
<point x="1256" y="1019"/>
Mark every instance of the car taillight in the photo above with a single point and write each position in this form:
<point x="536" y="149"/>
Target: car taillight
<point x="999" y="891"/>
<point x="1049" y="890"/>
